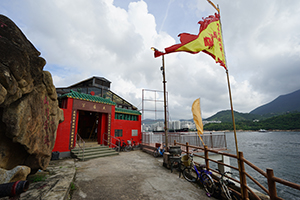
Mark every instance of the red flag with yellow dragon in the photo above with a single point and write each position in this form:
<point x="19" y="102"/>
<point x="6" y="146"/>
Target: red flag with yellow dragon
<point x="209" y="40"/>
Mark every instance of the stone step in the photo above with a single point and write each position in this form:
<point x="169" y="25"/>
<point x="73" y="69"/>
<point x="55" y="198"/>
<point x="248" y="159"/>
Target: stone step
<point x="87" y="157"/>
<point x="93" y="152"/>
<point x="93" y="149"/>
<point x="90" y="148"/>
<point x="148" y="149"/>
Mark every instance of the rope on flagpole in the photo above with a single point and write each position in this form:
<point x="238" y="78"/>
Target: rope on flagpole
<point x="201" y="139"/>
<point x="214" y="6"/>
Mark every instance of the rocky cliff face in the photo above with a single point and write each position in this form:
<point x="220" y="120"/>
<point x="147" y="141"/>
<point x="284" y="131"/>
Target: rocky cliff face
<point x="29" y="112"/>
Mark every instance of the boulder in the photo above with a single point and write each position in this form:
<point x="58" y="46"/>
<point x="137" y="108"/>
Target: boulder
<point x="29" y="111"/>
<point x="19" y="173"/>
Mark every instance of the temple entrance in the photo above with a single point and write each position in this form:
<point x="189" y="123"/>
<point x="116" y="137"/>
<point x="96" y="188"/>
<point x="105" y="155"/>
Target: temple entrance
<point x="88" y="125"/>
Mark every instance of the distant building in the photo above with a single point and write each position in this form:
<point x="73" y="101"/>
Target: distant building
<point x="177" y="125"/>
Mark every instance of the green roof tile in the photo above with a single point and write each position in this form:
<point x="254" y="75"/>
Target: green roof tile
<point x="87" y="97"/>
<point x="126" y="111"/>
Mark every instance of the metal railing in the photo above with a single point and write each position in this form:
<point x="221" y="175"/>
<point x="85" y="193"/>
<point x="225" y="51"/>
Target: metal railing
<point x="213" y="141"/>
<point x="110" y="143"/>
<point x="244" y="188"/>
<point x="81" y="143"/>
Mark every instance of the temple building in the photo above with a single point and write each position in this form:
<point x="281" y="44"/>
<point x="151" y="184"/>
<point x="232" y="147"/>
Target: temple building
<point x="94" y="113"/>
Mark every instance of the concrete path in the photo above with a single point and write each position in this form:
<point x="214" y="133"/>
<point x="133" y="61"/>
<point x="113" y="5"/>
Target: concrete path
<point x="131" y="175"/>
<point x="55" y="183"/>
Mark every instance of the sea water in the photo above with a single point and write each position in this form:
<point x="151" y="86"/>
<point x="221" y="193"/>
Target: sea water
<point x="279" y="151"/>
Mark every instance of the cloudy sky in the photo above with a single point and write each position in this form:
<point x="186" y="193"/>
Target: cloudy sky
<point x="112" y="39"/>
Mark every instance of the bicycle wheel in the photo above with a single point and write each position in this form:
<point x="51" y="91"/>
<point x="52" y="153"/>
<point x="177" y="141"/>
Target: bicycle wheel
<point x="127" y="148"/>
<point x="155" y="153"/>
<point x="234" y="196"/>
<point x="226" y="191"/>
<point x="117" y="149"/>
<point x="190" y="174"/>
<point x="218" y="191"/>
<point x="208" y="183"/>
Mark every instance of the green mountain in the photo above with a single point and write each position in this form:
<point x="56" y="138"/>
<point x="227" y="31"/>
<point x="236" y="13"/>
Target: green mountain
<point x="289" y="103"/>
<point x="282" y="104"/>
<point x="225" y="116"/>
<point x="282" y="122"/>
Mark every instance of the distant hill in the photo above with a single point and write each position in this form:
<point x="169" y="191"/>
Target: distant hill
<point x="225" y="116"/>
<point x="151" y="121"/>
<point x="282" y="122"/>
<point x="281" y="105"/>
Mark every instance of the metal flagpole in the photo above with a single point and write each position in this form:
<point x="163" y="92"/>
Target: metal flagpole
<point x="165" y="97"/>
<point x="165" y="101"/>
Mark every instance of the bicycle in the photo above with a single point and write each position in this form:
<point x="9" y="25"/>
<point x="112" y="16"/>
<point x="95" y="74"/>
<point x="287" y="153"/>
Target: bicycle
<point x="194" y="173"/>
<point x="128" y="147"/>
<point x="117" y="146"/>
<point x="124" y="146"/>
<point x="159" y="152"/>
<point x="222" y="187"/>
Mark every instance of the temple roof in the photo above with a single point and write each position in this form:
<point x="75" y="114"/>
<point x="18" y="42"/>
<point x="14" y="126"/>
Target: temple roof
<point x="127" y="111"/>
<point x="87" y="97"/>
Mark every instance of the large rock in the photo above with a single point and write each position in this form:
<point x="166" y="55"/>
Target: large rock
<point x="19" y="173"/>
<point x="29" y="112"/>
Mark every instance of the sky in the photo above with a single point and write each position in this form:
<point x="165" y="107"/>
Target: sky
<point x="112" y="39"/>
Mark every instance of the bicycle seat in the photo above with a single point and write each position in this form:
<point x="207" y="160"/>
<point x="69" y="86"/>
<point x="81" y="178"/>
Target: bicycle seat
<point x="202" y="165"/>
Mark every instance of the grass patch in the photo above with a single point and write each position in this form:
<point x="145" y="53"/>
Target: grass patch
<point x="72" y="189"/>
<point x="38" y="178"/>
<point x="72" y="186"/>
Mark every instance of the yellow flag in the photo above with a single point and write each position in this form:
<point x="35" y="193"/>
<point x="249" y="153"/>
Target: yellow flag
<point x="197" y="118"/>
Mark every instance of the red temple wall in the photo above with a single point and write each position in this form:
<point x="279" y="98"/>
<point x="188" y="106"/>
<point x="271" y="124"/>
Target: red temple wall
<point x="127" y="126"/>
<point x="63" y="131"/>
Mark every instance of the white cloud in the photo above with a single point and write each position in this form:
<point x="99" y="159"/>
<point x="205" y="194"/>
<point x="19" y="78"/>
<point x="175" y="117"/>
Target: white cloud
<point x="80" y="39"/>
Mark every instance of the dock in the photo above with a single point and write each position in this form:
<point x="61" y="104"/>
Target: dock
<point x="132" y="175"/>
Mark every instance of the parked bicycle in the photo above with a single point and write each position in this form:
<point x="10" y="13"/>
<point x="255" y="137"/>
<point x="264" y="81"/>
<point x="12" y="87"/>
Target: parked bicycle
<point x="222" y="187"/>
<point x="117" y="146"/>
<point x="129" y="146"/>
<point x="193" y="173"/>
<point x="159" y="151"/>
<point x="123" y="146"/>
<point x="135" y="145"/>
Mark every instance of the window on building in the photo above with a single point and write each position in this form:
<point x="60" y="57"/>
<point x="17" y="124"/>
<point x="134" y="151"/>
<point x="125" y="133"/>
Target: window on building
<point x="126" y="117"/>
<point x="118" y="133"/>
<point x="134" y="132"/>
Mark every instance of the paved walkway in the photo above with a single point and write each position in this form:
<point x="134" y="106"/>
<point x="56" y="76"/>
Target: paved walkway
<point x="54" y="183"/>
<point x="131" y="175"/>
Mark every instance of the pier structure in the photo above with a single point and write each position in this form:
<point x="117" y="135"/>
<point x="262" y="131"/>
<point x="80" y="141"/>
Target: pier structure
<point x="216" y="141"/>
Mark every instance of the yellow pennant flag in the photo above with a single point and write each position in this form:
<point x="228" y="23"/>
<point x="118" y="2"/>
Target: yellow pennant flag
<point x="197" y="118"/>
